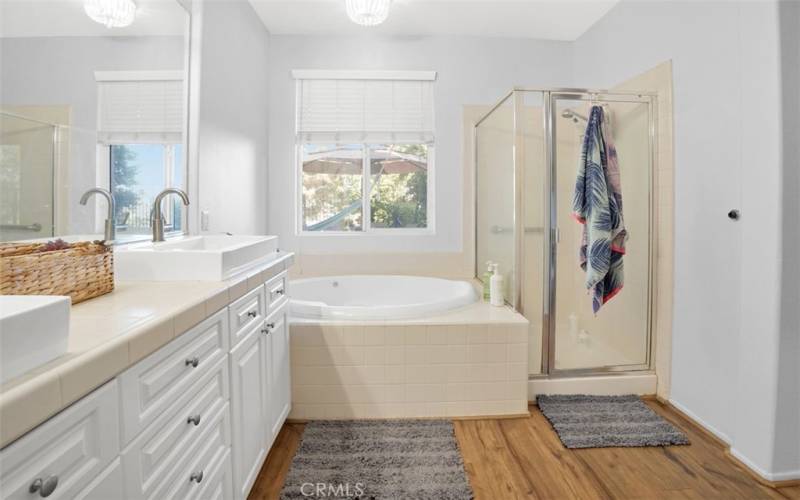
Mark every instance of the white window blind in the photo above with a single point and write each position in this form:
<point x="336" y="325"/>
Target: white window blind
<point x="393" y="107"/>
<point x="139" y="107"/>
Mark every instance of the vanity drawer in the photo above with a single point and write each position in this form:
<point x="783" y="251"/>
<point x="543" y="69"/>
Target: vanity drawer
<point x="218" y="483"/>
<point x="151" y="386"/>
<point x="71" y="449"/>
<point x="152" y="455"/>
<point x="276" y="291"/>
<point x="107" y="486"/>
<point x="198" y="462"/>
<point x="246" y="312"/>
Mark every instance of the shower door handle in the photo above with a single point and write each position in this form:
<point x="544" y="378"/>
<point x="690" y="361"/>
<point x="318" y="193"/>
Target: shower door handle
<point x="557" y="235"/>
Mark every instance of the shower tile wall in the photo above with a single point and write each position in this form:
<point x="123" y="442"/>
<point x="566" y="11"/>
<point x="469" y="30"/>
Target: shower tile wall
<point x="372" y="370"/>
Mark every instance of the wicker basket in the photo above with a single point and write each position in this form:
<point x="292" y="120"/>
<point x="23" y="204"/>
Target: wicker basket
<point x="82" y="271"/>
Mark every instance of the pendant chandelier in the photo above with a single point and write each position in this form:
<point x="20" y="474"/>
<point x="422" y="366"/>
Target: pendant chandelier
<point x="368" y="12"/>
<point x="111" y="13"/>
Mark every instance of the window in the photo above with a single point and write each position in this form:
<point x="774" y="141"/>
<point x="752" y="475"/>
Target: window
<point x="140" y="144"/>
<point x="138" y="172"/>
<point x="365" y="149"/>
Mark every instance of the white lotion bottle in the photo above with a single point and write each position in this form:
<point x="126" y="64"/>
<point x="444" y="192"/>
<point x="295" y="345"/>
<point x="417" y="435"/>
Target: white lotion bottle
<point x="496" y="288"/>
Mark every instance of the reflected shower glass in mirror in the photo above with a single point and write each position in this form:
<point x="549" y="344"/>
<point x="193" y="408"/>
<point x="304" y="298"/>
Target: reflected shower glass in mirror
<point x="91" y="97"/>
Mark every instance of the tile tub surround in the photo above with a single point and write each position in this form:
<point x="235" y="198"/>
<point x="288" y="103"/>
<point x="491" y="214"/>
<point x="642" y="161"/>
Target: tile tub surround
<point x="110" y="333"/>
<point x="471" y="362"/>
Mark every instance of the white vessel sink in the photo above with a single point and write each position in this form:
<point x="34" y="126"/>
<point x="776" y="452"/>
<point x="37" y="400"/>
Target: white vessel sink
<point x="33" y="331"/>
<point x="193" y="258"/>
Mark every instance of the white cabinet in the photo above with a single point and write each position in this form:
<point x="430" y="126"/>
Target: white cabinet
<point x="150" y="457"/>
<point x="106" y="486"/>
<point x="66" y="453"/>
<point x="150" y="386"/>
<point x="280" y="383"/>
<point x="208" y="452"/>
<point x="195" y="419"/>
<point x="276" y="292"/>
<point x="260" y="396"/>
<point x="250" y="405"/>
<point x="218" y="484"/>
<point x="246" y="313"/>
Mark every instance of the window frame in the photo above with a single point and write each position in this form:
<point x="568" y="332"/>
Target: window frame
<point x="190" y="215"/>
<point x="366" y="184"/>
<point x="105" y="178"/>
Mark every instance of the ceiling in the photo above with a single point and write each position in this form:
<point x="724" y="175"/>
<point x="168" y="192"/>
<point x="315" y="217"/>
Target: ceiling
<point x="33" y="18"/>
<point x="542" y="19"/>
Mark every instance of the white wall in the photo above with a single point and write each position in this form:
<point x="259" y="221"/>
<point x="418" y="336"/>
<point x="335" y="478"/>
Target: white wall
<point x="787" y="421"/>
<point x="231" y="68"/>
<point x="727" y="333"/>
<point x="470" y="71"/>
<point x="59" y="71"/>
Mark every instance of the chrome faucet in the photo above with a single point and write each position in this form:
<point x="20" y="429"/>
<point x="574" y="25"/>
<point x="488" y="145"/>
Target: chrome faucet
<point x="110" y="228"/>
<point x="157" y="221"/>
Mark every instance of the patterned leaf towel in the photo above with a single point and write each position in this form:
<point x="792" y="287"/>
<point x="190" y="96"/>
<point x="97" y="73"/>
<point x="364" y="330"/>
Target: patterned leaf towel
<point x="598" y="206"/>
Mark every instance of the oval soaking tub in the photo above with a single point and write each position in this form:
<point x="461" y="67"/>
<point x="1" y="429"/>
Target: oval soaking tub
<point x="376" y="297"/>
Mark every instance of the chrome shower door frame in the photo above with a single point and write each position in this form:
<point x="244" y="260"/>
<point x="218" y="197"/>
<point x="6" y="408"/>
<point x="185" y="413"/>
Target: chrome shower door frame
<point x="549" y="100"/>
<point x="551" y="224"/>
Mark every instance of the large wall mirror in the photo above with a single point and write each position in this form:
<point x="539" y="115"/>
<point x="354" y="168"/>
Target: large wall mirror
<point x="93" y="94"/>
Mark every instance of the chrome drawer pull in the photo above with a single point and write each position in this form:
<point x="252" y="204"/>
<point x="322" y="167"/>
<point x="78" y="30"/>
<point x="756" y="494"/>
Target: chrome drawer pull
<point x="45" y="486"/>
<point x="193" y="362"/>
<point x="280" y="291"/>
<point x="196" y="477"/>
<point x="270" y="325"/>
<point x="193" y="419"/>
<point x="252" y="314"/>
<point x="265" y="331"/>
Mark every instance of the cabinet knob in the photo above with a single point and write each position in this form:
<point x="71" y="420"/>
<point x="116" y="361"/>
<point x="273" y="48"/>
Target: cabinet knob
<point x="252" y="314"/>
<point x="45" y="487"/>
<point x="193" y="419"/>
<point x="270" y="325"/>
<point x="196" y="477"/>
<point x="280" y="291"/>
<point x="734" y="214"/>
<point x="193" y="362"/>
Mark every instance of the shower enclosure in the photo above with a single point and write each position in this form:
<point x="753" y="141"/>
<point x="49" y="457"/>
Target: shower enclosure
<point x="527" y="149"/>
<point x="27" y="159"/>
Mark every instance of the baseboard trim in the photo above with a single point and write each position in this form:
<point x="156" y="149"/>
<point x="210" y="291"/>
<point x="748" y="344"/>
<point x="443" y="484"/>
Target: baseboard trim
<point x="444" y="417"/>
<point x="724" y="442"/>
<point x="718" y="434"/>
<point x="758" y="475"/>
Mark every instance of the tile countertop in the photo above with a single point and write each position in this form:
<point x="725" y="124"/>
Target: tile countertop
<point x="110" y="333"/>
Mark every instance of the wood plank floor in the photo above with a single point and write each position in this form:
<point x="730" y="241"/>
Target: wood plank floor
<point x="523" y="458"/>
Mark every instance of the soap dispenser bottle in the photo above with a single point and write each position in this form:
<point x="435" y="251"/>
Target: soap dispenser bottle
<point x="496" y="287"/>
<point x="487" y="277"/>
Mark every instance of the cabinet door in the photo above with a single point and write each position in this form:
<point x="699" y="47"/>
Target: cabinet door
<point x="280" y="383"/>
<point x="64" y="454"/>
<point x="249" y="395"/>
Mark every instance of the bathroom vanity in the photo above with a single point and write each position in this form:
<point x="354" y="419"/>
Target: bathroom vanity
<point x="183" y="404"/>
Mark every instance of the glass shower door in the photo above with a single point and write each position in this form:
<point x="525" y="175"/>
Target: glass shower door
<point x="495" y="195"/>
<point x="617" y="336"/>
<point x="26" y="178"/>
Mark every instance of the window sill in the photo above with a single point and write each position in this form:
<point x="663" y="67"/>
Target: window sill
<point x="391" y="233"/>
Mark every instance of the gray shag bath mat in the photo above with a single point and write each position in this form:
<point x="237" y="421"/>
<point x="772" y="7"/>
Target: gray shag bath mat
<point x="378" y="459"/>
<point x="606" y="421"/>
